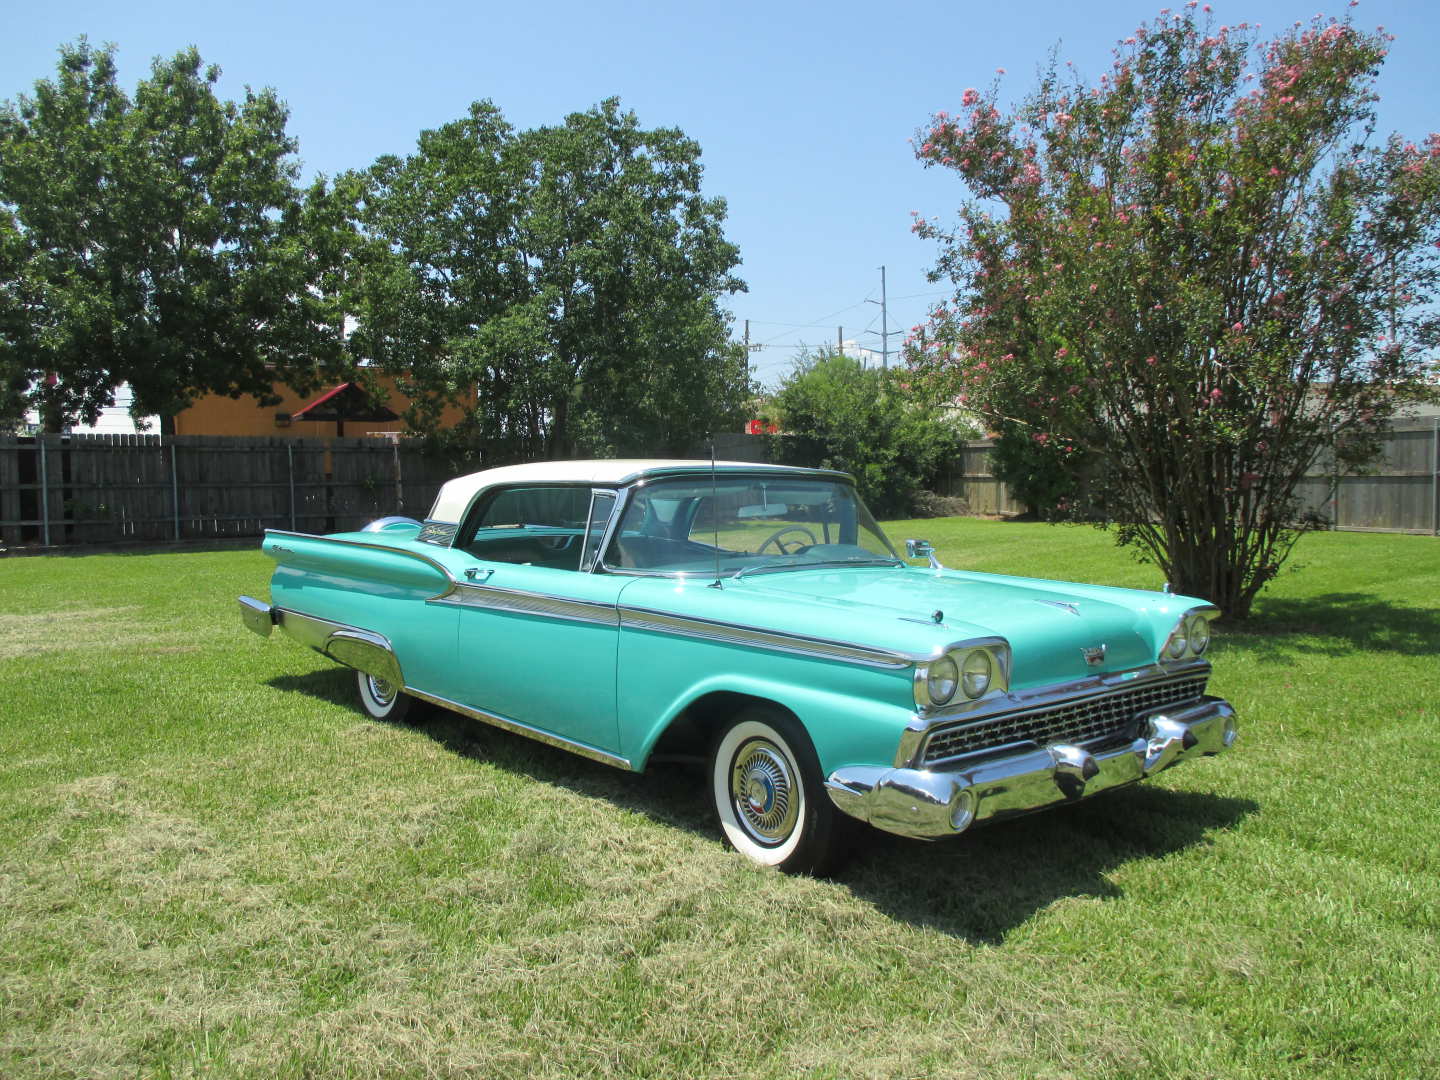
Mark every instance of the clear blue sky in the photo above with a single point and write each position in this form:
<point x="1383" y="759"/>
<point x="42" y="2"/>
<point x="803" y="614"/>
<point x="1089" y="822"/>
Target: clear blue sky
<point x="804" y="111"/>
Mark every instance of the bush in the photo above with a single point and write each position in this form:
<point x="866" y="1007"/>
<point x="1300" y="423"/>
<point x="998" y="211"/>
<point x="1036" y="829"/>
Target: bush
<point x="1041" y="471"/>
<point x="869" y="423"/>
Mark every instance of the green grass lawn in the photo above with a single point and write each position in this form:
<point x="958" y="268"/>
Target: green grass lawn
<point x="211" y="862"/>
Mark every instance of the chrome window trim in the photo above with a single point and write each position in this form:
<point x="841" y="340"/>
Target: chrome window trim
<point x="525" y="602"/>
<point x="484" y="496"/>
<point x="912" y="740"/>
<point x="597" y="493"/>
<point x="724" y="633"/>
<point x="594" y="753"/>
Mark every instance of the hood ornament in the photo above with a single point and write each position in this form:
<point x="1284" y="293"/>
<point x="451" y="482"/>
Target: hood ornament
<point x="1063" y="605"/>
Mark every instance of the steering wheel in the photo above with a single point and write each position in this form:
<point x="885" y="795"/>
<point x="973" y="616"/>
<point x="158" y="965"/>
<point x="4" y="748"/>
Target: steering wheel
<point x="774" y="538"/>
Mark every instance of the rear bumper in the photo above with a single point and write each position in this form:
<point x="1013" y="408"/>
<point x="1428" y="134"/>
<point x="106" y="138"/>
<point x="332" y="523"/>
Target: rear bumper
<point x="931" y="803"/>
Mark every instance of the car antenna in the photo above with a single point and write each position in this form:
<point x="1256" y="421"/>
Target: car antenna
<point x="715" y="514"/>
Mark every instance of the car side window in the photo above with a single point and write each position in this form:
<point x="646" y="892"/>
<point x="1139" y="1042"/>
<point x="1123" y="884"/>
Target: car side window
<point x="535" y="526"/>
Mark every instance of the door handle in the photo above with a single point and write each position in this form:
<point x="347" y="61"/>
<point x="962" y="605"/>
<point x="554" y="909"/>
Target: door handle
<point x="474" y="572"/>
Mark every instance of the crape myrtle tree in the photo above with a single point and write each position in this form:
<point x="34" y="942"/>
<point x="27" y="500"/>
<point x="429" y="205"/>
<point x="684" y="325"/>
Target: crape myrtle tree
<point x="561" y="283"/>
<point x="156" y="239"/>
<point x="1202" y="275"/>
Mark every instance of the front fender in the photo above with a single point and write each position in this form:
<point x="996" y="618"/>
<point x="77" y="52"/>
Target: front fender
<point x="842" y="726"/>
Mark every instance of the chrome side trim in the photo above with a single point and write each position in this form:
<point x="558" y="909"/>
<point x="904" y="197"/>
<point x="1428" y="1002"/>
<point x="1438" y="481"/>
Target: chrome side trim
<point x="521" y="602"/>
<point x="516" y="727"/>
<point x="730" y="634"/>
<point x="912" y="739"/>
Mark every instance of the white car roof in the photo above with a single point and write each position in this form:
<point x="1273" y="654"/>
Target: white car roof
<point x="457" y="494"/>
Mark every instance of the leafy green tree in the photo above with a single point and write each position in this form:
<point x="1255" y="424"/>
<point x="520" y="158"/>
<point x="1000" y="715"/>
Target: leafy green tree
<point x="1201" y="271"/>
<point x="838" y="414"/>
<point x="157" y="240"/>
<point x="564" y="281"/>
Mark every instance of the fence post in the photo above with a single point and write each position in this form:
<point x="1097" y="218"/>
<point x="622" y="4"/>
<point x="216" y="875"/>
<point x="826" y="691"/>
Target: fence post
<point x="290" y="453"/>
<point x="44" y="494"/>
<point x="175" y="486"/>
<point x="1435" y="479"/>
<point x="399" y="487"/>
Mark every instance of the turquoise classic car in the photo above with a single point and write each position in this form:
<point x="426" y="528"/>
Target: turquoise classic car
<point x="757" y="619"/>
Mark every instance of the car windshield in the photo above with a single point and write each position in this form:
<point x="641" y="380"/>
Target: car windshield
<point x="731" y="524"/>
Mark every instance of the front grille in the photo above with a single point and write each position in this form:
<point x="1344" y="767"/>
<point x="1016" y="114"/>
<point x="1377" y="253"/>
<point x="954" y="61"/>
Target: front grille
<point x="1103" y="717"/>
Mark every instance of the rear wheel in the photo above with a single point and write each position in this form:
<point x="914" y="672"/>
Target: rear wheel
<point x="383" y="700"/>
<point x="768" y="794"/>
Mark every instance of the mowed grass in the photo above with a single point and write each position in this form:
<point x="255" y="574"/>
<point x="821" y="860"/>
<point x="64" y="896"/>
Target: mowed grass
<point x="211" y="862"/>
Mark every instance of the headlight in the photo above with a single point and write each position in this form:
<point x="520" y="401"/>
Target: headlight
<point x="940" y="680"/>
<point x="1199" y="634"/>
<point x="976" y="673"/>
<point x="968" y="670"/>
<point x="1175" y="647"/>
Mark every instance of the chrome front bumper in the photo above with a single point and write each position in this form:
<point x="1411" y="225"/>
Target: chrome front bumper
<point x="931" y="803"/>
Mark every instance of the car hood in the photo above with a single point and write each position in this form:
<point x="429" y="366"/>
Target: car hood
<point x="1047" y="623"/>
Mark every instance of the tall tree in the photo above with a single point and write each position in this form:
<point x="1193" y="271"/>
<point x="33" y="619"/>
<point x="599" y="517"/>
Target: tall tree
<point x="567" y="277"/>
<point x="157" y="240"/>
<point x="1201" y="272"/>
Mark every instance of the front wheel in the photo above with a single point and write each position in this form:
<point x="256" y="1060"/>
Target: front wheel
<point x="383" y="700"/>
<point x="772" y="806"/>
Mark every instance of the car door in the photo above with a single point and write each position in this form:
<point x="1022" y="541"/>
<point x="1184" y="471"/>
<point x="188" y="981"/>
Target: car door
<point x="538" y="631"/>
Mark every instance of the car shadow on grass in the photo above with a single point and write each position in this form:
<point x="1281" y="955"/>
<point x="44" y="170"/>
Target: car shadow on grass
<point x="984" y="884"/>
<point x="978" y="886"/>
<point x="1335" y="624"/>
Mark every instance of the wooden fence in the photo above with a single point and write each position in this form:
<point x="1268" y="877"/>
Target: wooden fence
<point x="1401" y="493"/>
<point x="111" y="489"/>
<point x="58" y="490"/>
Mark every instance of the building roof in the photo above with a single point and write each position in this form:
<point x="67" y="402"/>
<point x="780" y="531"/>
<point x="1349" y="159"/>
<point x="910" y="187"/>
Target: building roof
<point x="458" y="493"/>
<point x="344" y="402"/>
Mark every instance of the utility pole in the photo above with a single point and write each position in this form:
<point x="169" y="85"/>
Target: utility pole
<point x="884" y="322"/>
<point x="840" y="340"/>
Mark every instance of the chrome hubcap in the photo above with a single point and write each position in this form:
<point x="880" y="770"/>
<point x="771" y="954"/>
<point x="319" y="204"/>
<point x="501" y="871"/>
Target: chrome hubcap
<point x="762" y="787"/>
<point x="381" y="690"/>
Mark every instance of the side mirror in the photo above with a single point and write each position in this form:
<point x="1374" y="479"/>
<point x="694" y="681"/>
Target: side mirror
<point x="922" y="549"/>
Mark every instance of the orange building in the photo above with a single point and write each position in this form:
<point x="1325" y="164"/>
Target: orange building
<point x="341" y="410"/>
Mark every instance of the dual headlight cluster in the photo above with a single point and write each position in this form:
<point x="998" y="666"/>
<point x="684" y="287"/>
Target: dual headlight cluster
<point x="960" y="675"/>
<point x="1191" y="637"/>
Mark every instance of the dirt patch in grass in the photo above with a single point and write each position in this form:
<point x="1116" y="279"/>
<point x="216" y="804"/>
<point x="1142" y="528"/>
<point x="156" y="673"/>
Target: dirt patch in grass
<point x="85" y="629"/>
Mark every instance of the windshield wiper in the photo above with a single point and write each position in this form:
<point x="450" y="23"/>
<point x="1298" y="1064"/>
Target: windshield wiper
<point x="820" y="564"/>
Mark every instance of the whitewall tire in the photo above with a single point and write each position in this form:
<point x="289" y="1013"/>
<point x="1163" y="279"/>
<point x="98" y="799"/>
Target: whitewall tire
<point x="383" y="700"/>
<point x="767" y="792"/>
